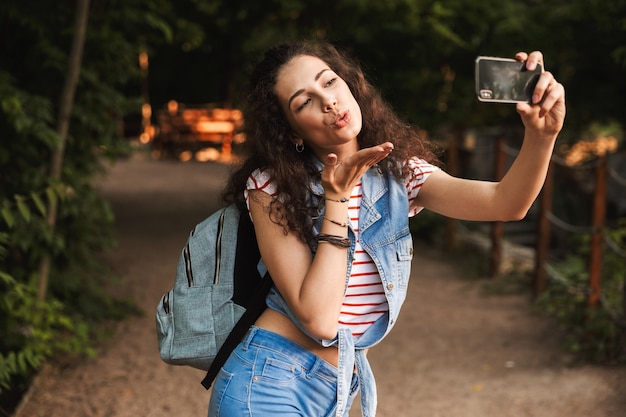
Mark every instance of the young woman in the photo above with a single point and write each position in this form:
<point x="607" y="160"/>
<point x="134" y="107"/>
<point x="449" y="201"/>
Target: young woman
<point x="330" y="184"/>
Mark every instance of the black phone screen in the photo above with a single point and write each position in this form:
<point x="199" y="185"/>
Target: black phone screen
<point x="504" y="80"/>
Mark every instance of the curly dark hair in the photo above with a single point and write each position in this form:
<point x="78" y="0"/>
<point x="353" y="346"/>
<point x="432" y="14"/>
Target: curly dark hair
<point x="269" y="135"/>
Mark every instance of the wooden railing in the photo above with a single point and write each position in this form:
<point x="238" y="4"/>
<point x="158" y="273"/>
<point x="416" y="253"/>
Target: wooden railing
<point x="599" y="241"/>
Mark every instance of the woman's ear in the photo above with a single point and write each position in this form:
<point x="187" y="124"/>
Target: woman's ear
<point x="296" y="140"/>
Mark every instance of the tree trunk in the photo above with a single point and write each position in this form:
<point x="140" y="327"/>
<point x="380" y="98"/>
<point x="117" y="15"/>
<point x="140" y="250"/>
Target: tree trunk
<point x="66" y="102"/>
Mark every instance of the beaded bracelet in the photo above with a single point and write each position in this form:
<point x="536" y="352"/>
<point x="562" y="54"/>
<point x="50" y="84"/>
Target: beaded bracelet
<point x="336" y="222"/>
<point x="339" y="241"/>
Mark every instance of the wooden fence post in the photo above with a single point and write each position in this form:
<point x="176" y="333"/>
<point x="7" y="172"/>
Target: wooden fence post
<point x="543" y="232"/>
<point x="599" y="213"/>
<point x="497" y="227"/>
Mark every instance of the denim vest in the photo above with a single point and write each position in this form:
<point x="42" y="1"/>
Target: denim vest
<point x="385" y="236"/>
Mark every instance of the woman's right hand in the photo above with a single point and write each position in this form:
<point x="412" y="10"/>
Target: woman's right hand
<point x="340" y="177"/>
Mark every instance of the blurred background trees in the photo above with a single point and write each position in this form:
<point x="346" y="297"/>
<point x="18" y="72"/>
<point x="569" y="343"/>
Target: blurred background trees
<point x="420" y="53"/>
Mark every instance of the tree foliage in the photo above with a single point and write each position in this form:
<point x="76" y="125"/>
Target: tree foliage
<point x="420" y="53"/>
<point x="34" y="45"/>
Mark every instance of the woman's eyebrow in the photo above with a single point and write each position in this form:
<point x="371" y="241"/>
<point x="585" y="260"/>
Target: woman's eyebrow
<point x="319" y="74"/>
<point x="297" y="93"/>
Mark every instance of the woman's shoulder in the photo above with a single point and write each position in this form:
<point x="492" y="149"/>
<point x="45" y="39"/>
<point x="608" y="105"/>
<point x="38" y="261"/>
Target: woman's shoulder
<point x="261" y="179"/>
<point x="420" y="167"/>
<point x="418" y="173"/>
<point x="417" y="162"/>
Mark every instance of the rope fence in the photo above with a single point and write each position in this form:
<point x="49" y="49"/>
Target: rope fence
<point x="600" y="237"/>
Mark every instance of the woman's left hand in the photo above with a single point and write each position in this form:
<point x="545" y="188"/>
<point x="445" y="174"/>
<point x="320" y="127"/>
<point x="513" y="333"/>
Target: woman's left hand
<point x="339" y="178"/>
<point x="546" y="114"/>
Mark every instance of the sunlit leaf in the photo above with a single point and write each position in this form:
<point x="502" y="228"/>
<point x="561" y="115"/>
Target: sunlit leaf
<point x="39" y="203"/>
<point x="8" y="216"/>
<point x="6" y="278"/>
<point x="22" y="207"/>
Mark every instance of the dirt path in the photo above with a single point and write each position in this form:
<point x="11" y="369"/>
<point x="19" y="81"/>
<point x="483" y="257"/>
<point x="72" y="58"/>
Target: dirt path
<point x="453" y="353"/>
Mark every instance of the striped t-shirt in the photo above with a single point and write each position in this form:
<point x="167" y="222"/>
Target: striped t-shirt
<point x="365" y="300"/>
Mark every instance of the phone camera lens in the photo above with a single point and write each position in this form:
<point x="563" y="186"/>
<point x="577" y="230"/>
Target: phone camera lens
<point x="486" y="94"/>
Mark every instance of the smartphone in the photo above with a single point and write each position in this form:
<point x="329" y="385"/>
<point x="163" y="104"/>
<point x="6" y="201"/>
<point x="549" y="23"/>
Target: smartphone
<point x="504" y="80"/>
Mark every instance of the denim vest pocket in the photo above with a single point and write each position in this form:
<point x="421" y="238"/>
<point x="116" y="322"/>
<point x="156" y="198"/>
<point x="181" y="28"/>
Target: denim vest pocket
<point x="404" y="256"/>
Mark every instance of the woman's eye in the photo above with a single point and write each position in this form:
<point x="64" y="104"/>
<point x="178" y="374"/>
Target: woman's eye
<point x="303" y="105"/>
<point x="331" y="82"/>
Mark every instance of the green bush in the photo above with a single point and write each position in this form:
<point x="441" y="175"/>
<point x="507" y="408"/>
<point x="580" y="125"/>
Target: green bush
<point x="66" y="319"/>
<point x="598" y="333"/>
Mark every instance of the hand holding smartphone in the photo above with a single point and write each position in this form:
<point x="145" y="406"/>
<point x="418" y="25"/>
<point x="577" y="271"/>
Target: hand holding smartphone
<point x="503" y="80"/>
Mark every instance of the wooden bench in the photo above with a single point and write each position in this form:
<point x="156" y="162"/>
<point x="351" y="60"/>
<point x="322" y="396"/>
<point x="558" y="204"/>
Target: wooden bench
<point x="190" y="129"/>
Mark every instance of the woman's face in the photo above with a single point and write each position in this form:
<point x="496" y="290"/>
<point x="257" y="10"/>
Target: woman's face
<point x="319" y="105"/>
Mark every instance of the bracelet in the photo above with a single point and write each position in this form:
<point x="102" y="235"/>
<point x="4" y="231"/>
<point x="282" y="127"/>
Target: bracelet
<point x="339" y="241"/>
<point x="336" y="222"/>
<point x="341" y="200"/>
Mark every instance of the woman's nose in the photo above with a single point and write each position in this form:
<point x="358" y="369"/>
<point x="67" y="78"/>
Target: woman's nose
<point x="329" y="103"/>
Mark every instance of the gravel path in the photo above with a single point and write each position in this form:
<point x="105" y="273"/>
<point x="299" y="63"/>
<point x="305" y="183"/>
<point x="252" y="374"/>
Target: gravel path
<point x="454" y="352"/>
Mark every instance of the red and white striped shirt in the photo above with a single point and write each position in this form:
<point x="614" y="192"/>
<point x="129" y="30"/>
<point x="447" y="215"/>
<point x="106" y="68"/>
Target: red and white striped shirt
<point x="365" y="300"/>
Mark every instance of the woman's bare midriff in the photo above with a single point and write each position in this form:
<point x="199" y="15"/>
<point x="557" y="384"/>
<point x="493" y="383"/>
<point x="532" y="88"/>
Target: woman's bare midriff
<point x="279" y="323"/>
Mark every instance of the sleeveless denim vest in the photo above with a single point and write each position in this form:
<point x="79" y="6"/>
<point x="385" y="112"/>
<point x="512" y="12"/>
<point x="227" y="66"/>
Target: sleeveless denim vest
<point x="385" y="236"/>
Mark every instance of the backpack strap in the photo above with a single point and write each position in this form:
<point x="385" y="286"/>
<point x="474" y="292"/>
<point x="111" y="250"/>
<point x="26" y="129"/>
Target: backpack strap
<point x="253" y="297"/>
<point x="253" y="312"/>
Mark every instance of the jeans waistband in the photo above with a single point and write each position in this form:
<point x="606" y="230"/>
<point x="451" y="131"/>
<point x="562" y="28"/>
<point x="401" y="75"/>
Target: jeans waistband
<point x="257" y="336"/>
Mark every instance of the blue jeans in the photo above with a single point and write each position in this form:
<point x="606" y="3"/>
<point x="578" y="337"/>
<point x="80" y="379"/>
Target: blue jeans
<point x="269" y="375"/>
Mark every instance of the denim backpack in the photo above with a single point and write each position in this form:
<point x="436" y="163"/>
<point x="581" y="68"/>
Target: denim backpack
<point x="219" y="291"/>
